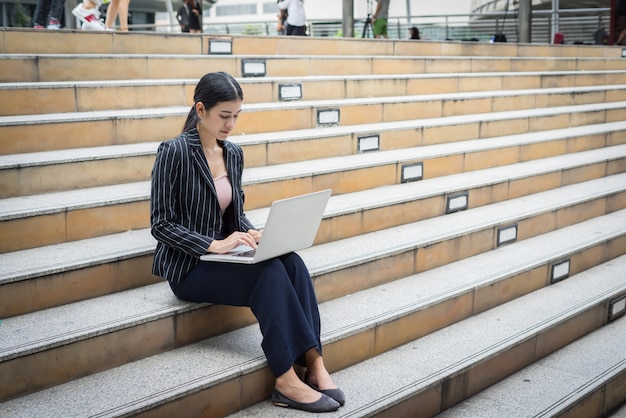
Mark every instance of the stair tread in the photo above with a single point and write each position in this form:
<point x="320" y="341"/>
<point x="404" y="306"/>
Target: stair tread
<point x="226" y="356"/>
<point x="308" y="56"/>
<point x="271" y="79"/>
<point x="320" y="258"/>
<point x="397" y="374"/>
<point x="546" y="387"/>
<point x="47" y="203"/>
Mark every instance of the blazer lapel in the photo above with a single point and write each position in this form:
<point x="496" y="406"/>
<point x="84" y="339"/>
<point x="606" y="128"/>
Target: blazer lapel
<point x="199" y="160"/>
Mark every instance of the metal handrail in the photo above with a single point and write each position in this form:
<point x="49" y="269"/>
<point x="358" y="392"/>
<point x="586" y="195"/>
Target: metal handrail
<point x="577" y="25"/>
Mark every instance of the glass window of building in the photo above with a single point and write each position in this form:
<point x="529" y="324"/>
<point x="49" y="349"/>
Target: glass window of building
<point x="235" y="10"/>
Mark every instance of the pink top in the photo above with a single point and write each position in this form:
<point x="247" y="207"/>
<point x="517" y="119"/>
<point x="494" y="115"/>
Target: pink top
<point x="224" y="191"/>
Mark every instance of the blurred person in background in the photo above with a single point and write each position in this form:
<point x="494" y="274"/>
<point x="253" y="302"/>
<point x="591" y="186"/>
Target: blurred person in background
<point x="379" y="19"/>
<point x="117" y="7"/>
<point x="296" y="18"/>
<point x="45" y="8"/>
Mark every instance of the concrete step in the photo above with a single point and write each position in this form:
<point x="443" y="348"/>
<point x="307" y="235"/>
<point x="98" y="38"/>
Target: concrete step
<point x="437" y="371"/>
<point x="35" y="173"/>
<point x="347" y="216"/>
<point x="585" y="378"/>
<point x="52" y="218"/>
<point x="17" y="40"/>
<point x="93" y="66"/>
<point x="393" y="252"/>
<point x="117" y="127"/>
<point x="87" y="96"/>
<point x="229" y="372"/>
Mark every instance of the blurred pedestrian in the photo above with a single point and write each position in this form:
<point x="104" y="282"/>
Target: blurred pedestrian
<point x="379" y="19"/>
<point x="414" y="33"/>
<point x="117" y="7"/>
<point x="296" y="17"/>
<point x="621" y="22"/>
<point x="189" y="17"/>
<point x="87" y="12"/>
<point x="49" y="13"/>
<point x="282" y="21"/>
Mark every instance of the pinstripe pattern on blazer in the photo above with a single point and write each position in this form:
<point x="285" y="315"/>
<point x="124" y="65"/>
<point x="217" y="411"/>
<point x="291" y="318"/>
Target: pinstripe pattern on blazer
<point x="185" y="215"/>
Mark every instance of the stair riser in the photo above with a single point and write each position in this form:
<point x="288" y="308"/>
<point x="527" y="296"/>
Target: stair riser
<point x="87" y="42"/>
<point x="86" y="99"/>
<point x="36" y="231"/>
<point x="56" y="289"/>
<point x="20" y="41"/>
<point x="98" y="67"/>
<point x="602" y="402"/>
<point x="80" y="98"/>
<point x="70" y="176"/>
<point x="74" y="225"/>
<point x="88" y="133"/>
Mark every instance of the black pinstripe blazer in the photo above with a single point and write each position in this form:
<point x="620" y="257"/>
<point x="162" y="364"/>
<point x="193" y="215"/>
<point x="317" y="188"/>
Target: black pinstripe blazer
<point x="185" y="214"/>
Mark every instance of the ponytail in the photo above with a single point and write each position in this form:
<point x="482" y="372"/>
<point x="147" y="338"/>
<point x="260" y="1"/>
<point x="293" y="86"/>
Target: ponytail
<point x="192" y="119"/>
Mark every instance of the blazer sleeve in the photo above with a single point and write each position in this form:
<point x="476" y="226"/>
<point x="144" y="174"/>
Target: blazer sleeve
<point x="166" y="190"/>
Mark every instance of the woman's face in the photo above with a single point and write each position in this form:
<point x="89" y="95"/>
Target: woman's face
<point x="220" y="120"/>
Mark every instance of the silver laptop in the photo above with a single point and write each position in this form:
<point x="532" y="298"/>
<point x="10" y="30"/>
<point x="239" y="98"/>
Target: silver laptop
<point x="291" y="225"/>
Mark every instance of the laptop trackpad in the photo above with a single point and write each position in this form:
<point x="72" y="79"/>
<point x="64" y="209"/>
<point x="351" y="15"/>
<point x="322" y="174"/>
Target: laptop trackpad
<point x="242" y="251"/>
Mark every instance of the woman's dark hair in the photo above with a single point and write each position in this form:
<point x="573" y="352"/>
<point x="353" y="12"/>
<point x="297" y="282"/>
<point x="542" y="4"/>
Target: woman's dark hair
<point x="212" y="89"/>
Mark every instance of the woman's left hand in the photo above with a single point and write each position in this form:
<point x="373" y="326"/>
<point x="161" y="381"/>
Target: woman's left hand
<point x="256" y="235"/>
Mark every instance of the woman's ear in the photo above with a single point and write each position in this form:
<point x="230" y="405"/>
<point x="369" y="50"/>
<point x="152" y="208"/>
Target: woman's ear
<point x="200" y="109"/>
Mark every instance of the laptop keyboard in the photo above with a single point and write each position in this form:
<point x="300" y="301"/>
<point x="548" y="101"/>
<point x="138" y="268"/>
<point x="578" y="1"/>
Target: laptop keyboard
<point x="249" y="253"/>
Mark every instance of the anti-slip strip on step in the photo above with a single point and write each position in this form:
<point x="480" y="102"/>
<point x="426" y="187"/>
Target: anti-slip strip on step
<point x="401" y="373"/>
<point x="107" y="83"/>
<point x="312" y="57"/>
<point x="366" y="63"/>
<point x="297" y="79"/>
<point x="352" y="251"/>
<point x="555" y="382"/>
<point x="60" y="258"/>
<point x="183" y="110"/>
<point x="34" y="159"/>
<point x="227" y="356"/>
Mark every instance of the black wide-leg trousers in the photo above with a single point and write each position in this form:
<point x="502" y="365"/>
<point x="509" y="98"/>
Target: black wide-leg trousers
<point x="279" y="292"/>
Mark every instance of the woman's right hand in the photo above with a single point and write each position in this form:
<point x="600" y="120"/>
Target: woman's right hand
<point x="233" y="240"/>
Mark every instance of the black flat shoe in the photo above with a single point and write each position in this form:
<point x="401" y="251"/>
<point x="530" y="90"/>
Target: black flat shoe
<point x="323" y="404"/>
<point x="336" y="394"/>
